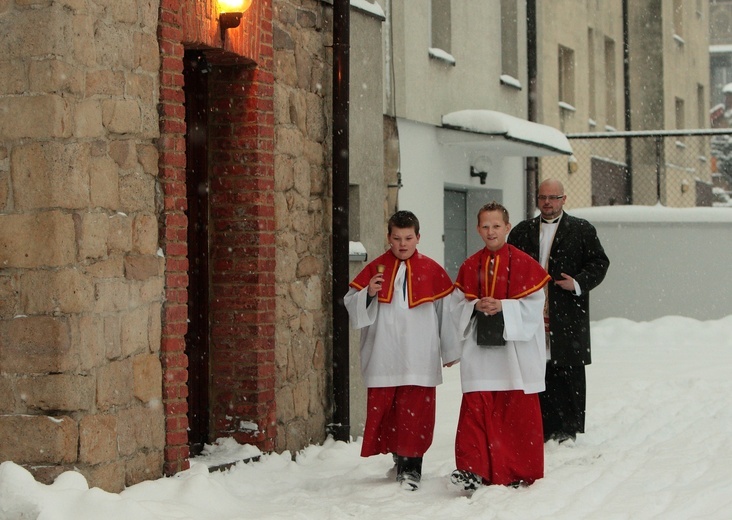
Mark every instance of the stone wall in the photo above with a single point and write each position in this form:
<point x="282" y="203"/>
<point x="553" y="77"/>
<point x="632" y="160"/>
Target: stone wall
<point x="80" y="276"/>
<point x="303" y="60"/>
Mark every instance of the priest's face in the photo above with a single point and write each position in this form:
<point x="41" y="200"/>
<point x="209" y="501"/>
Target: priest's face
<point x="493" y="229"/>
<point x="403" y="242"/>
<point x="551" y="199"/>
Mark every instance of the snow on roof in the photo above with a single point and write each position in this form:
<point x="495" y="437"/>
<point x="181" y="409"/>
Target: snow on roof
<point x="490" y="122"/>
<point x="727" y="88"/>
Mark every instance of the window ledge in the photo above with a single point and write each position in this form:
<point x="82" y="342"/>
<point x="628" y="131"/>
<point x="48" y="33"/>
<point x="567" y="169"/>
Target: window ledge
<point x="440" y="55"/>
<point x="510" y="81"/>
<point x="566" y="106"/>
<point x="679" y="39"/>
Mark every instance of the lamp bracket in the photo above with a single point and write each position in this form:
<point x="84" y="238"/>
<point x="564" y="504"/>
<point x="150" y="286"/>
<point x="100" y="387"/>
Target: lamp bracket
<point x="476" y="173"/>
<point x="229" y="21"/>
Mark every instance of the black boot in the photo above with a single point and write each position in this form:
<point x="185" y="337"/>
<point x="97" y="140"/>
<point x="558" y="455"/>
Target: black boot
<point x="409" y="472"/>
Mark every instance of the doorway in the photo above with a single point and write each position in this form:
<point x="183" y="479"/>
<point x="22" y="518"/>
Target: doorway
<point x="197" y="339"/>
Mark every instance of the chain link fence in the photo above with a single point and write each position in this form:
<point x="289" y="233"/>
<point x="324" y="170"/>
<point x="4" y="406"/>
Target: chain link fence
<point x="674" y="168"/>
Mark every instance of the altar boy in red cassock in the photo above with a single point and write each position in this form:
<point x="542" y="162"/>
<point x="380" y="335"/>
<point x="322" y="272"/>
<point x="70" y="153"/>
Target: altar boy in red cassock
<point x="397" y="302"/>
<point x="499" y="289"/>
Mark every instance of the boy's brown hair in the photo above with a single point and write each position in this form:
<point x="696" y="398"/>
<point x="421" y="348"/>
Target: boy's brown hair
<point x="494" y="206"/>
<point x="403" y="220"/>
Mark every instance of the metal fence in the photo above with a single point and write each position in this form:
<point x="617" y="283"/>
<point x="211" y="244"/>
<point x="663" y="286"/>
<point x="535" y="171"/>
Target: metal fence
<point x="674" y="168"/>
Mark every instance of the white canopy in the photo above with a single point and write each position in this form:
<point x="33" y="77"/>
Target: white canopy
<point x="508" y="134"/>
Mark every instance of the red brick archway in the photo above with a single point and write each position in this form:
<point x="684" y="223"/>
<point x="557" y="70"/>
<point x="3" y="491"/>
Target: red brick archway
<point x="242" y="213"/>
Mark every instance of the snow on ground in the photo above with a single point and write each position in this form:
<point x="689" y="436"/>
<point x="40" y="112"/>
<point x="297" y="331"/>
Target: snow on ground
<point x="658" y="445"/>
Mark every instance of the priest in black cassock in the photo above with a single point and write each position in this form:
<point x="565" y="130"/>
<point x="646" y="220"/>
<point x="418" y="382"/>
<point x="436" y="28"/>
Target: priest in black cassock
<point x="570" y="251"/>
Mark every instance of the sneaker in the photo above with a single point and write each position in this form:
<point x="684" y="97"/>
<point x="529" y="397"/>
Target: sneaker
<point x="466" y="480"/>
<point x="409" y="480"/>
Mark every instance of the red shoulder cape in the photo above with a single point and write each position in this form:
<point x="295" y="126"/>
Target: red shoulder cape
<point x="515" y="274"/>
<point x="427" y="281"/>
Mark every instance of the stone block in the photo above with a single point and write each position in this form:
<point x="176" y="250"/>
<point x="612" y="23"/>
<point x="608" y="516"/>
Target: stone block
<point x="133" y="337"/>
<point x="93" y="230"/>
<point x="155" y="325"/>
<point x="91" y="341"/>
<point x="13" y="80"/>
<point x="124" y="153"/>
<point x="121" y="116"/>
<point x="104" y="183"/>
<point x="97" y="439"/>
<point x="105" y="82"/>
<point x="142" y="87"/>
<point x="114" y="384"/>
<point x="37" y="240"/>
<point x="137" y="193"/>
<point x="9" y="297"/>
<point x="54" y="75"/>
<point x="38" y="439"/>
<point x="34" y="117"/>
<point x="7" y="397"/>
<point x="112" y="295"/>
<point x="143" y="466"/>
<point x="141" y="428"/>
<point x="109" y="476"/>
<point x="50" y="174"/>
<point x="4" y="189"/>
<point x="57" y="392"/>
<point x="147" y="52"/>
<point x="147" y="155"/>
<point x="142" y="267"/>
<point x="36" y="344"/>
<point x="145" y="234"/>
<point x="120" y="233"/>
<point x="112" y="334"/>
<point x="148" y="377"/>
<point x="88" y="119"/>
<point x="111" y="267"/>
<point x="66" y="291"/>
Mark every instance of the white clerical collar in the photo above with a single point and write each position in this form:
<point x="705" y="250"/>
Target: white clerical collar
<point x="552" y="220"/>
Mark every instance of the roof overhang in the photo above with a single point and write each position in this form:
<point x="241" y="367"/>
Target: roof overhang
<point x="488" y="130"/>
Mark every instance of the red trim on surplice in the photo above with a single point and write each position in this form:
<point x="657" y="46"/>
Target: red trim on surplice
<point x="427" y="281"/>
<point x="526" y="274"/>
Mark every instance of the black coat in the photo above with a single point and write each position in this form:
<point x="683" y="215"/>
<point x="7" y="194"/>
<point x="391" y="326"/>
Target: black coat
<point x="576" y="251"/>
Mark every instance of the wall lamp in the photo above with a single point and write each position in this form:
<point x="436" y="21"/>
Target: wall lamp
<point x="476" y="173"/>
<point x="230" y="13"/>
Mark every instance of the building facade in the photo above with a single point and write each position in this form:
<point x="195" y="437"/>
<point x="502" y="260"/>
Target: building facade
<point x="164" y="233"/>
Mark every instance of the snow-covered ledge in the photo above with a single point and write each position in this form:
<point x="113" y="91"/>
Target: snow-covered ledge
<point x="357" y="252"/>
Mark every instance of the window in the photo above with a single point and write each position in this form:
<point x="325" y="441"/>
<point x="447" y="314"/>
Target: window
<point x="611" y="105"/>
<point x="441" y="36"/>
<point x="566" y="75"/>
<point x="680" y="121"/>
<point x="679" y="18"/>
<point x="702" y="117"/>
<point x="591" y="73"/>
<point x="566" y="87"/>
<point x="509" y="43"/>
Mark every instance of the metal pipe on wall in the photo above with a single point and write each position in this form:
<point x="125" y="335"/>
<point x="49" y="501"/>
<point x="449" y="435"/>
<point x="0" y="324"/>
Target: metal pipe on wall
<point x="340" y="425"/>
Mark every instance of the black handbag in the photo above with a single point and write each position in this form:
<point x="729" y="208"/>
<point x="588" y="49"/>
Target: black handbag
<point x="490" y="327"/>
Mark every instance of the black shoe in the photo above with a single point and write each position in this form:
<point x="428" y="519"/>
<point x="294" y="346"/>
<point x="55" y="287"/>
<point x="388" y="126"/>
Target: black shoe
<point x="466" y="480"/>
<point x="561" y="437"/>
<point x="409" y="480"/>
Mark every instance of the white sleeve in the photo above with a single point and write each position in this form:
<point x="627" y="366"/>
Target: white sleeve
<point x="523" y="317"/>
<point x="462" y="313"/>
<point x="359" y="314"/>
<point x="450" y="341"/>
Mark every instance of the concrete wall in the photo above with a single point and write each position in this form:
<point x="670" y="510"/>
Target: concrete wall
<point x="366" y="172"/>
<point x="663" y="262"/>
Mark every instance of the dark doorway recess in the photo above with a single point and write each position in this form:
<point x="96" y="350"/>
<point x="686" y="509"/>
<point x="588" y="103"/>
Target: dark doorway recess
<point x="197" y="339"/>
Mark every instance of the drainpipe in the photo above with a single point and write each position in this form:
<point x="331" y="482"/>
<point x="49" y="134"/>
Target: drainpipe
<point x="340" y="425"/>
<point x="532" y="163"/>
<point x="626" y="94"/>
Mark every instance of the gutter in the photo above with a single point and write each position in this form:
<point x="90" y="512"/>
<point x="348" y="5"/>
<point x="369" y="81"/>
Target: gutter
<point x="532" y="163"/>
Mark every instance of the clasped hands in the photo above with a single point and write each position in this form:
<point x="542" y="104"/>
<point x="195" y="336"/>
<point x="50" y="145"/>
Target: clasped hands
<point x="488" y="305"/>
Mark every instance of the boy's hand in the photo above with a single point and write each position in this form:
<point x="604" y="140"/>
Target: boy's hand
<point x="489" y="306"/>
<point x="375" y="284"/>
